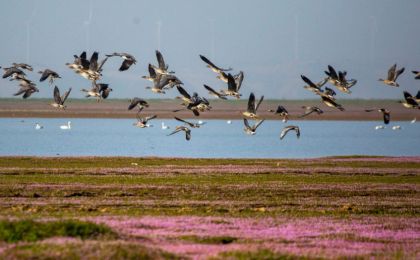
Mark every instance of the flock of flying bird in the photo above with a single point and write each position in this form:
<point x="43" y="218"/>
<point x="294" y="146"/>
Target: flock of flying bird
<point x="164" y="80"/>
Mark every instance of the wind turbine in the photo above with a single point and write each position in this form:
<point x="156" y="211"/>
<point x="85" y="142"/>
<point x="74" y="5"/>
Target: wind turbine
<point x="373" y="29"/>
<point x="159" y="26"/>
<point x="86" y="23"/>
<point x="213" y="43"/>
<point x="296" y="37"/>
<point x="28" y="34"/>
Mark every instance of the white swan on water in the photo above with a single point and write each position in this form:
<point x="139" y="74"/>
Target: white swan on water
<point x="164" y="126"/>
<point x="38" y="126"/>
<point x="66" y="127"/>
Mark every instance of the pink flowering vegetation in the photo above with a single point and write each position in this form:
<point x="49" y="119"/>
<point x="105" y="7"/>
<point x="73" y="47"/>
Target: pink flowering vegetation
<point x="322" y="236"/>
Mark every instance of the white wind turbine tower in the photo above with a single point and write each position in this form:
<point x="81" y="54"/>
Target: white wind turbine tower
<point x="296" y="38"/>
<point x="373" y="29"/>
<point x="159" y="26"/>
<point x="213" y="43"/>
<point x="28" y="34"/>
<point x="86" y="23"/>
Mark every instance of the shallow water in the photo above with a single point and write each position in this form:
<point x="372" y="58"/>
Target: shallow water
<point x="215" y="139"/>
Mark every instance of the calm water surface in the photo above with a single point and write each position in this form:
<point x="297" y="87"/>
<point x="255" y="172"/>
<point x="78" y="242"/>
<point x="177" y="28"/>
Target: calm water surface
<point x="215" y="139"/>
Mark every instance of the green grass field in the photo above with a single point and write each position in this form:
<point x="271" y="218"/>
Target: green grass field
<point x="158" y="205"/>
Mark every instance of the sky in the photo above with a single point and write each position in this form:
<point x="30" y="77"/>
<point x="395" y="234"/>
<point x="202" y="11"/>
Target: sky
<point x="272" y="41"/>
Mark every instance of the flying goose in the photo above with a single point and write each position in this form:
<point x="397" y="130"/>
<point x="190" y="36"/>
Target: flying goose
<point x="233" y="87"/>
<point x="23" y="66"/>
<point x="311" y="109"/>
<point x="27" y="89"/>
<point x="190" y="102"/>
<point x="182" y="128"/>
<point x="251" y="111"/>
<point x="393" y="74"/>
<point x="386" y="114"/>
<point x="331" y="103"/>
<point x="138" y="102"/>
<point x="93" y="91"/>
<point x="58" y="100"/>
<point x="215" y="93"/>
<point x="162" y="66"/>
<point x="286" y="129"/>
<point x="409" y="101"/>
<point x="316" y="88"/>
<point x="339" y="80"/>
<point x="416" y="74"/>
<point x="213" y="67"/>
<point x="142" y="121"/>
<point x="13" y="71"/>
<point x="281" y="111"/>
<point x="128" y="60"/>
<point x="89" y="69"/>
<point x="193" y="125"/>
<point x="251" y="130"/>
<point x="48" y="74"/>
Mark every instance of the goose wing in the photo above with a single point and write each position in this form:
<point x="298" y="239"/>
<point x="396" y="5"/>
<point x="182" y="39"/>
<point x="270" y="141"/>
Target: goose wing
<point x="57" y="98"/>
<point x="309" y="82"/>
<point x="64" y="97"/>
<point x="177" y="129"/>
<point x="238" y="79"/>
<point x="231" y="83"/>
<point x="398" y="73"/>
<point x="150" y="118"/>
<point x="258" y="124"/>
<point x="214" y="92"/>
<point x="246" y="123"/>
<point x="308" y="111"/>
<point x="259" y="103"/>
<point x="160" y="60"/>
<point x="126" y="64"/>
<point x="45" y="74"/>
<point x="183" y="121"/>
<point x="152" y="71"/>
<point x="332" y="73"/>
<point x="211" y="64"/>
<point x="183" y="92"/>
<point x="391" y="72"/>
<point x="251" y="103"/>
<point x="409" y="98"/>
<point x="93" y="64"/>
<point x="101" y="64"/>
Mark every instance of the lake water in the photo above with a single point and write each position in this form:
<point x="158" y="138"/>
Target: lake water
<point x="215" y="139"/>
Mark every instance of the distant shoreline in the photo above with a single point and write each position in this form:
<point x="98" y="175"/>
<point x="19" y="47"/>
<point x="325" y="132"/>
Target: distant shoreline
<point x="82" y="108"/>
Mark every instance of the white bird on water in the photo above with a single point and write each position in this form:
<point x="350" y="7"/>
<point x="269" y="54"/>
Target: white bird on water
<point x="229" y="122"/>
<point x="66" y="127"/>
<point x="38" y="126"/>
<point x="396" y="127"/>
<point x="379" y="127"/>
<point x="413" y="121"/>
<point x="164" y="126"/>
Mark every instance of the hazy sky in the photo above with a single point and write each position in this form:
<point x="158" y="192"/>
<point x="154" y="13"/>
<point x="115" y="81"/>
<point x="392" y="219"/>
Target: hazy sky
<point x="272" y="41"/>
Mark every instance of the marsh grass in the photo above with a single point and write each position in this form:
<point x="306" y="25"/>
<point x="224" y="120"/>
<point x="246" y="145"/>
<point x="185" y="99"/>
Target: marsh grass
<point x="90" y="250"/>
<point x="30" y="231"/>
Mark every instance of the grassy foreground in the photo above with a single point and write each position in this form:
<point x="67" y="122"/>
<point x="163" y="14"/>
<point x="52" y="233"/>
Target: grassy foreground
<point x="210" y="208"/>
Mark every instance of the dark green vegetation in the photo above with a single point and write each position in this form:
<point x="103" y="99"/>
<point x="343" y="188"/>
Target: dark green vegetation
<point x="30" y="231"/>
<point x="87" y="250"/>
<point x="207" y="187"/>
